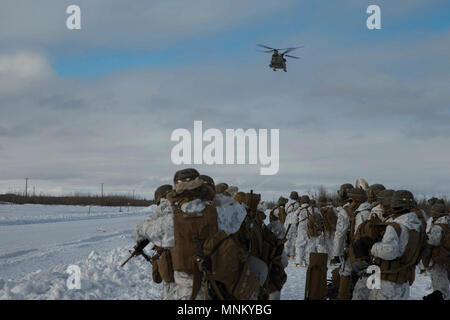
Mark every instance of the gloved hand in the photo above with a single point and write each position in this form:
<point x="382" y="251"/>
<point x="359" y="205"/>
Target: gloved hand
<point x="361" y="247"/>
<point x="141" y="244"/>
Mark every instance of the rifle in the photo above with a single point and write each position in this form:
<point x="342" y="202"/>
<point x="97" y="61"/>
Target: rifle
<point x="250" y="201"/>
<point x="138" y="251"/>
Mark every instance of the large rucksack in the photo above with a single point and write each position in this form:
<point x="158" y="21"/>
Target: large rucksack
<point x="402" y="269"/>
<point x="329" y="219"/>
<point x="211" y="256"/>
<point x="314" y="223"/>
<point x="281" y="214"/>
<point x="441" y="254"/>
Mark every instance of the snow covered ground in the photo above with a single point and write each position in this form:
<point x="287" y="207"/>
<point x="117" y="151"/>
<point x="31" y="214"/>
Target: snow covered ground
<point x="38" y="243"/>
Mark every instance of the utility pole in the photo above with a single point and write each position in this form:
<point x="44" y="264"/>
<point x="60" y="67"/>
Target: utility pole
<point x="102" y="190"/>
<point x="26" y="187"/>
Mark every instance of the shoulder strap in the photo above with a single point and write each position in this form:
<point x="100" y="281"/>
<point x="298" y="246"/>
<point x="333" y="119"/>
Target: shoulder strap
<point x="396" y="227"/>
<point x="290" y="204"/>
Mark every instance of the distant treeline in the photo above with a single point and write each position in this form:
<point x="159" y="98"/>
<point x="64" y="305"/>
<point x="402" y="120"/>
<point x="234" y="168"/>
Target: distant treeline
<point x="77" y="200"/>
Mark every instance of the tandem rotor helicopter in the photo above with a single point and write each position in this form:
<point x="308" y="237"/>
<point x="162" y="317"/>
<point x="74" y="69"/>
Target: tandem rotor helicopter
<point x="278" y="61"/>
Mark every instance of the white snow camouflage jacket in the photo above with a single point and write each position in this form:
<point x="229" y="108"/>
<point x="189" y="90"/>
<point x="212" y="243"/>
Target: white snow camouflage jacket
<point x="392" y="246"/>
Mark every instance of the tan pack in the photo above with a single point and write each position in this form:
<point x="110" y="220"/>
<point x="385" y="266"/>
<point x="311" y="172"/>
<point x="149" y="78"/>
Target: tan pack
<point x="211" y="256"/>
<point x="314" y="223"/>
<point x="164" y="264"/>
<point x="402" y="269"/>
<point x="281" y="214"/>
<point x="187" y="227"/>
<point x="329" y="219"/>
<point x="227" y="270"/>
<point x="156" y="276"/>
<point x="441" y="253"/>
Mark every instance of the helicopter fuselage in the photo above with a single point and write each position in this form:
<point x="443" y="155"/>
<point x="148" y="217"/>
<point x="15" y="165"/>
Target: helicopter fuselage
<point x="277" y="62"/>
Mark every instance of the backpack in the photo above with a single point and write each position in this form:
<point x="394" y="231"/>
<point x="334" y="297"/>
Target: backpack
<point x="329" y="219"/>
<point x="402" y="269"/>
<point x="209" y="254"/>
<point x="162" y="268"/>
<point x="281" y="214"/>
<point x="314" y="223"/>
<point x="441" y="253"/>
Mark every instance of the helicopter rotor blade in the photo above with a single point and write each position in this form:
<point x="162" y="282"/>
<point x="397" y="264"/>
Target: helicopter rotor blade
<point x="291" y="49"/>
<point x="286" y="55"/>
<point x="261" y="45"/>
<point x="268" y="51"/>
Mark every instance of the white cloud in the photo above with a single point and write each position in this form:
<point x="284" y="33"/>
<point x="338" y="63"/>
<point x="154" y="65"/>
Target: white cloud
<point x="20" y="69"/>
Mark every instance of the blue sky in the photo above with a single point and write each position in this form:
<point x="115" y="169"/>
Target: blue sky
<point x="236" y="44"/>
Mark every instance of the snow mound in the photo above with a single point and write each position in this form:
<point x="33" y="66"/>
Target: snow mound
<point x="101" y="278"/>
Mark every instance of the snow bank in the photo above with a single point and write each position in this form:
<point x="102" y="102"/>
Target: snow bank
<point x="101" y="278"/>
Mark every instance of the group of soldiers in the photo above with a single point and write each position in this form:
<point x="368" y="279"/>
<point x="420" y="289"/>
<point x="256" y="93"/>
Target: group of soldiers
<point x="212" y="241"/>
<point x="370" y="226"/>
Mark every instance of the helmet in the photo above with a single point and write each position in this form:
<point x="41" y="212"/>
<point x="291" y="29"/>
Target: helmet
<point x="221" y="187"/>
<point x="322" y="201"/>
<point x="361" y="184"/>
<point x="373" y="192"/>
<point x="342" y="192"/>
<point x="240" y="197"/>
<point x="385" y="196"/>
<point x="186" y="179"/>
<point x="209" y="186"/>
<point x="231" y="191"/>
<point x="438" y="209"/>
<point x="208" y="181"/>
<point x="357" y="194"/>
<point x="161" y="192"/>
<point x="402" y="201"/>
<point x="282" y="201"/>
<point x="293" y="195"/>
<point x="432" y="201"/>
<point x="304" y="199"/>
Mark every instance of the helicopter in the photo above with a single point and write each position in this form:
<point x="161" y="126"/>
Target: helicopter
<point x="278" y="61"/>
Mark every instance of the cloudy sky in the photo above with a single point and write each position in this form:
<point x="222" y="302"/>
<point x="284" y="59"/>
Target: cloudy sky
<point x="98" y="105"/>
